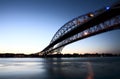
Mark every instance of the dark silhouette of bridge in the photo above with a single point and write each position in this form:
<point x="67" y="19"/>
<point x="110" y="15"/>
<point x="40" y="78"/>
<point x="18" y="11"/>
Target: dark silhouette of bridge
<point x="90" y="24"/>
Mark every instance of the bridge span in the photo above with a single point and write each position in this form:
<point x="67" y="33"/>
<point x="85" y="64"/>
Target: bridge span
<point x="81" y="27"/>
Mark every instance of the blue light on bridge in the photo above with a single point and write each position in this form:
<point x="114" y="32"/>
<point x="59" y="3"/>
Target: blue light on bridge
<point x="107" y="8"/>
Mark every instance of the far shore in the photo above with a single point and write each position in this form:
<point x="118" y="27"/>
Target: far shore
<point x="12" y="55"/>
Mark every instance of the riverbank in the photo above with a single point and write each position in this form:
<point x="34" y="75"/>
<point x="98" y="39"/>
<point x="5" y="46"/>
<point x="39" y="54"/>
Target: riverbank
<point x="7" y="55"/>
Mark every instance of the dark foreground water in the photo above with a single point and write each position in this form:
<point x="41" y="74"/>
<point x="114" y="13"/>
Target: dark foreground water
<point x="60" y="68"/>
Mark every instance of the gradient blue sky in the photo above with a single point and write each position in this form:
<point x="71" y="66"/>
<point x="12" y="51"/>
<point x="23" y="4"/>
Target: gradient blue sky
<point x="27" y="26"/>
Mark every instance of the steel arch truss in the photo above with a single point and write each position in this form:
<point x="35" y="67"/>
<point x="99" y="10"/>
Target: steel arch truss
<point x="70" y="26"/>
<point x="111" y="24"/>
<point x="57" y="43"/>
<point x="75" y="23"/>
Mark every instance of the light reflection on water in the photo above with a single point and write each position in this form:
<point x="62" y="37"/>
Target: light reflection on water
<point x="60" y="68"/>
<point x="90" y="71"/>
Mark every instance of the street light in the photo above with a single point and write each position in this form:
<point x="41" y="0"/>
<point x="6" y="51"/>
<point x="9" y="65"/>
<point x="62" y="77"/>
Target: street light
<point x="91" y="15"/>
<point x="107" y="8"/>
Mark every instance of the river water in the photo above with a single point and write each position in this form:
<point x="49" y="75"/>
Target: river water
<point x="60" y="68"/>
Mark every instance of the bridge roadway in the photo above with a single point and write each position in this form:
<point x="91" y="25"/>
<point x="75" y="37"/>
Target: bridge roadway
<point x="106" y="15"/>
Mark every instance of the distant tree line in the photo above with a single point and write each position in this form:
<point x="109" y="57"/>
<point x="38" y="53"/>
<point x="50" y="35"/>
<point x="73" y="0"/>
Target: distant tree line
<point x="84" y="55"/>
<point x="18" y="55"/>
<point x="59" y="55"/>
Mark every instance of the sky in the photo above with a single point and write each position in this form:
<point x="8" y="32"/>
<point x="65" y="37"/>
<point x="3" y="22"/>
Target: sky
<point x="27" y="26"/>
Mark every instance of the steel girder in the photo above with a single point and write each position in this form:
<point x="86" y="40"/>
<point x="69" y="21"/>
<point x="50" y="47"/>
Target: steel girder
<point x="71" y="25"/>
<point x="109" y="25"/>
<point x="77" y="22"/>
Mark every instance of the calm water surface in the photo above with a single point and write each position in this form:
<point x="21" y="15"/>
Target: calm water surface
<point x="60" y="68"/>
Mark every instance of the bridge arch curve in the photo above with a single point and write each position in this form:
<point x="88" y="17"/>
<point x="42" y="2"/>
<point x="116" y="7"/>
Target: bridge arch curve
<point x="92" y="23"/>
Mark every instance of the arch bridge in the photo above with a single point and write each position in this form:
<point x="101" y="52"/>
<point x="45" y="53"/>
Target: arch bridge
<point x="84" y="26"/>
